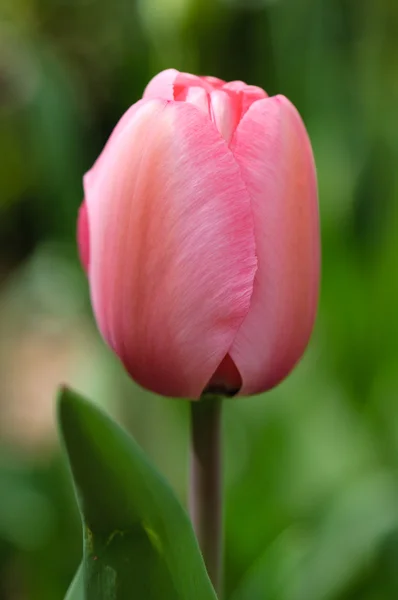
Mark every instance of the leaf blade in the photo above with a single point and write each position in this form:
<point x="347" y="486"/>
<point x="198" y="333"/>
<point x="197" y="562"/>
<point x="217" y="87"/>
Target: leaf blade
<point x="137" y="535"/>
<point x="76" y="588"/>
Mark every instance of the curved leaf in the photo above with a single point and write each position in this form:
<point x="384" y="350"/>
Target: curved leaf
<point x="76" y="589"/>
<point x="138" y="540"/>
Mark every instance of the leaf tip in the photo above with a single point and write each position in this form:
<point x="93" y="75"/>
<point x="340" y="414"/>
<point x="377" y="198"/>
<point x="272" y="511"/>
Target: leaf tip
<point x="69" y="405"/>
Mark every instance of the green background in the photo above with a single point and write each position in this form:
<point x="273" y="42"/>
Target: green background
<point x="311" y="467"/>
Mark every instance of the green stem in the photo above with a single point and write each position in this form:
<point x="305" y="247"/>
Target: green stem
<point x="205" y="500"/>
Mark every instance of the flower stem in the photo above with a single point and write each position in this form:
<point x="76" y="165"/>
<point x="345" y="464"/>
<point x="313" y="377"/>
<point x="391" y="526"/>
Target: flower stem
<point x="205" y="501"/>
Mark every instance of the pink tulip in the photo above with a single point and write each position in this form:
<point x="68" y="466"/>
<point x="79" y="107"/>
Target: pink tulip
<point x="200" y="237"/>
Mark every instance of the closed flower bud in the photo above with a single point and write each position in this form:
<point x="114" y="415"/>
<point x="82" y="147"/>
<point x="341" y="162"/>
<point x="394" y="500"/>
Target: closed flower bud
<point x="199" y="233"/>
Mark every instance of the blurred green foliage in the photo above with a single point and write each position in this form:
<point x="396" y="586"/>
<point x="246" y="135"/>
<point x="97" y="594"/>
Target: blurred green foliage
<point x="312" y="467"/>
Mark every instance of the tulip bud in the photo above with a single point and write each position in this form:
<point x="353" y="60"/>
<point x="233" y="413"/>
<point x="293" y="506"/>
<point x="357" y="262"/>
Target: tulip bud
<point x="199" y="233"/>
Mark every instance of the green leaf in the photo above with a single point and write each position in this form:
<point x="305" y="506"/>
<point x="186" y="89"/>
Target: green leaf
<point x="138" y="540"/>
<point x="76" y="589"/>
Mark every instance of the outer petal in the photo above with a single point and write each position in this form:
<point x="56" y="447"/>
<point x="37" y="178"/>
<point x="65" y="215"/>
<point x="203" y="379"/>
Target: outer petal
<point x="162" y="85"/>
<point x="83" y="236"/>
<point x="172" y="256"/>
<point x="123" y="122"/>
<point x="273" y="151"/>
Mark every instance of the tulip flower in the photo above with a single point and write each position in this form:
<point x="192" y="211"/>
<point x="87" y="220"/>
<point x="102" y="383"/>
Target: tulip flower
<point x="199" y="233"/>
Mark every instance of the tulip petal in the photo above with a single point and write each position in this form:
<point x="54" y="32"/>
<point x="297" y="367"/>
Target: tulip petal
<point x="215" y="82"/>
<point x="162" y="85"/>
<point x="123" y="122"/>
<point x="249" y="93"/>
<point x="199" y="98"/>
<point x="172" y="251"/>
<point x="225" y="112"/>
<point x="273" y="151"/>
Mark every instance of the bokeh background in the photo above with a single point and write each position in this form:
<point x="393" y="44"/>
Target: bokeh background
<point x="312" y="467"/>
